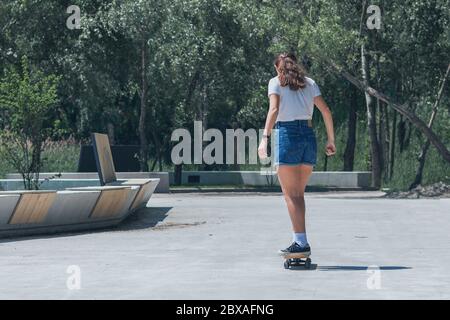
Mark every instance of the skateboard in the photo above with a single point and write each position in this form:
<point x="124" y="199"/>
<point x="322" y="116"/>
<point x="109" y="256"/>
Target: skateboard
<point x="297" y="260"/>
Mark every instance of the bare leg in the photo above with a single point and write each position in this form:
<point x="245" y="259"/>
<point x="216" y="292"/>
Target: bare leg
<point x="293" y="180"/>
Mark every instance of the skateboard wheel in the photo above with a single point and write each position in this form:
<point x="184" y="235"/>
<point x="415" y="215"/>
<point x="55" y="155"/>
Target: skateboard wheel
<point x="286" y="264"/>
<point x="308" y="263"/>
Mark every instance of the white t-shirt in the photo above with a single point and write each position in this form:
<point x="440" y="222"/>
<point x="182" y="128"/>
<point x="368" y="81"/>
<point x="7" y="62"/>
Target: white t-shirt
<point x="295" y="105"/>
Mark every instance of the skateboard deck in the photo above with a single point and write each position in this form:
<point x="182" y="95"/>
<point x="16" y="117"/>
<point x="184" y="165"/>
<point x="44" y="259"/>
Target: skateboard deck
<point x="297" y="260"/>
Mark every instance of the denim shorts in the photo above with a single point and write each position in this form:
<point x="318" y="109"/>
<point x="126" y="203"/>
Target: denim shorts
<point x="295" y="143"/>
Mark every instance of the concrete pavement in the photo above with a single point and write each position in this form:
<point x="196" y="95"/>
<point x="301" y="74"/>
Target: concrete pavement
<point x="223" y="246"/>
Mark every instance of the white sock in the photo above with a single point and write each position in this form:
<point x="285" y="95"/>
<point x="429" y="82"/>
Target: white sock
<point x="300" y="238"/>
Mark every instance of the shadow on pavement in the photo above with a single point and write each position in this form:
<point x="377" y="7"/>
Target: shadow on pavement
<point x="360" y="268"/>
<point x="346" y="268"/>
<point x="302" y="268"/>
<point x="143" y="219"/>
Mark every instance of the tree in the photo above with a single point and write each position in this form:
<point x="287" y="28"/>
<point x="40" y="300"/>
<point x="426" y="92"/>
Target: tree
<point x="423" y="154"/>
<point x="139" y="21"/>
<point x="27" y="98"/>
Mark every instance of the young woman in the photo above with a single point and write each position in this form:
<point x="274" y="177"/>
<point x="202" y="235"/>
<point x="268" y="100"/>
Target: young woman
<point x="292" y="98"/>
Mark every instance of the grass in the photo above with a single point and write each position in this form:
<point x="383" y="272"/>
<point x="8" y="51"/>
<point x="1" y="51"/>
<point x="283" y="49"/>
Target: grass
<point x="5" y="168"/>
<point x="61" y="156"/>
<point x="436" y="169"/>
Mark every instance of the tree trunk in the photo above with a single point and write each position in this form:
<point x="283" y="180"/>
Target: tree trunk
<point x="143" y="159"/>
<point x="404" y="111"/>
<point x="158" y="147"/>
<point x="178" y="170"/>
<point x="349" y="154"/>
<point x="401" y="134"/>
<point x="111" y="135"/>
<point x="160" y="162"/>
<point x="392" y="146"/>
<point x="409" y="130"/>
<point x="380" y="134"/>
<point x="153" y="166"/>
<point x="36" y="161"/>
<point x="325" y="164"/>
<point x="423" y="154"/>
<point x="202" y="114"/>
<point x="383" y="129"/>
<point x="371" y="122"/>
<point x="383" y="138"/>
<point x="387" y="141"/>
<point x="177" y="174"/>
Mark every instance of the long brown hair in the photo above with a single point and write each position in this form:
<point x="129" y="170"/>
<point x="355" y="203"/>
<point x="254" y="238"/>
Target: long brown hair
<point x="291" y="73"/>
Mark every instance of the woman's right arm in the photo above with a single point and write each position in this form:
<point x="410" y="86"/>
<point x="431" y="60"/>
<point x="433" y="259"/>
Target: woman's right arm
<point x="330" y="148"/>
<point x="270" y="122"/>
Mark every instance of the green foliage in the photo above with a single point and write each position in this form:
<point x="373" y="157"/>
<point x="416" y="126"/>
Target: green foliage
<point x="27" y="99"/>
<point x="61" y="156"/>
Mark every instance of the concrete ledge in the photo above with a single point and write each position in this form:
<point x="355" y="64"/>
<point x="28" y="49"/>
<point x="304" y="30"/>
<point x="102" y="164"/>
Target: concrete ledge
<point x="146" y="189"/>
<point x="336" y="179"/>
<point x="55" y="229"/>
<point x="72" y="207"/>
<point x="84" y="179"/>
<point x="114" y="201"/>
<point x="7" y="204"/>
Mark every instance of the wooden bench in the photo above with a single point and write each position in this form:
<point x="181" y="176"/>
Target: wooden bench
<point x="31" y="207"/>
<point x="113" y="201"/>
<point x="107" y="173"/>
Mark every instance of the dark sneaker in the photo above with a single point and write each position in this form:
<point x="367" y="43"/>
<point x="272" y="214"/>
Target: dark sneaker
<point x="295" y="248"/>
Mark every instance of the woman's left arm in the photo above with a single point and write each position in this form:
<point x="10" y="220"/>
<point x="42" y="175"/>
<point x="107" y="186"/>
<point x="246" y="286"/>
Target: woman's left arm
<point x="320" y="103"/>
